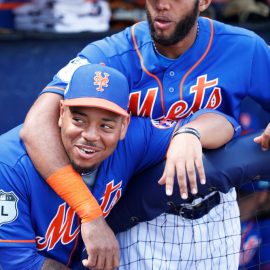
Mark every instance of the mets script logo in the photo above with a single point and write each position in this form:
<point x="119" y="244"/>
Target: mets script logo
<point x="101" y="81"/>
<point x="60" y="229"/>
<point x="205" y="94"/>
<point x="110" y="197"/>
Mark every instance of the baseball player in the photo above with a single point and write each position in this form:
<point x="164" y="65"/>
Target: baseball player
<point x="225" y="168"/>
<point x="176" y="63"/>
<point x="93" y="122"/>
<point x="38" y="230"/>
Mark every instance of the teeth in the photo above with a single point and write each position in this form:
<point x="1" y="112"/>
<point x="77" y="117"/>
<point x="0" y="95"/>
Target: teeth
<point x="87" y="151"/>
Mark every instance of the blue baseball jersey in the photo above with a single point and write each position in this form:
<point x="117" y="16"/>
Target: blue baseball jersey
<point x="36" y="223"/>
<point x="224" y="65"/>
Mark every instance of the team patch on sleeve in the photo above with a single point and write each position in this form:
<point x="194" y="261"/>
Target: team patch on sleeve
<point x="8" y="207"/>
<point x="66" y="72"/>
<point x="163" y="123"/>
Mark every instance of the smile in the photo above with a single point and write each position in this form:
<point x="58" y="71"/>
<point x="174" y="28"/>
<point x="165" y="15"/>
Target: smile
<point x="87" y="151"/>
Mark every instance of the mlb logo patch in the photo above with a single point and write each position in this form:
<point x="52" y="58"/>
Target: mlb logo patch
<point x="163" y="123"/>
<point x="8" y="207"/>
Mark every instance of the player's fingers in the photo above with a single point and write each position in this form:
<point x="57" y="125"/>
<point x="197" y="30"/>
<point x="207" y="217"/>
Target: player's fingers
<point x="85" y="263"/>
<point x="200" y="170"/>
<point x="91" y="261"/>
<point x="190" y="168"/>
<point x="265" y="139"/>
<point x="101" y="261"/>
<point x="109" y="263"/>
<point x="181" y="178"/>
<point x="112" y="259"/>
<point x="257" y="139"/>
<point x="116" y="260"/>
<point x="170" y="172"/>
<point x="162" y="179"/>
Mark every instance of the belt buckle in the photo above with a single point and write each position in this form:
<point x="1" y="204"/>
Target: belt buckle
<point x="197" y="205"/>
<point x="186" y="214"/>
<point x="193" y="206"/>
<point x="192" y="209"/>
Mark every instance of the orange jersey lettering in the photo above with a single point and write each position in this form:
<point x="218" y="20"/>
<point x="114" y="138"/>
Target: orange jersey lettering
<point x="59" y="229"/>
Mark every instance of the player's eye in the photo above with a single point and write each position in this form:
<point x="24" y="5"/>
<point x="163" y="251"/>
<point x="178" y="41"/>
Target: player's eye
<point x="106" y="126"/>
<point x="77" y="120"/>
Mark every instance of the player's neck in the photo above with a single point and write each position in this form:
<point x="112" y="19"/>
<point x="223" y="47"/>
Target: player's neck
<point x="174" y="51"/>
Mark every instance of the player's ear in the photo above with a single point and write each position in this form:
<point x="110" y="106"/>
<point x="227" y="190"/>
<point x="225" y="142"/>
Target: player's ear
<point x="60" y="120"/>
<point x="124" y="127"/>
<point x="204" y="4"/>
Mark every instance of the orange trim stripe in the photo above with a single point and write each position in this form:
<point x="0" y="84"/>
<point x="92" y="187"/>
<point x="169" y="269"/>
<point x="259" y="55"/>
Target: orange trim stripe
<point x="146" y="71"/>
<point x="17" y="241"/>
<point x="199" y="61"/>
<point x="54" y="87"/>
<point x="10" y="5"/>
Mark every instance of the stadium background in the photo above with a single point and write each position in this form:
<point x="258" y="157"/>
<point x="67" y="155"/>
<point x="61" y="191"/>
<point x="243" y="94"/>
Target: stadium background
<point x="28" y="60"/>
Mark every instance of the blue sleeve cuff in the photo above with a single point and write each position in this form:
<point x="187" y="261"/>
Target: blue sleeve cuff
<point x="20" y="258"/>
<point x="236" y="126"/>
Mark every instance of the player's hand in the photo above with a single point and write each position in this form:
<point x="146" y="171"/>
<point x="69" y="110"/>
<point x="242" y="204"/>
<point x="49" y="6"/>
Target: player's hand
<point x="101" y="245"/>
<point x="183" y="158"/>
<point x="264" y="138"/>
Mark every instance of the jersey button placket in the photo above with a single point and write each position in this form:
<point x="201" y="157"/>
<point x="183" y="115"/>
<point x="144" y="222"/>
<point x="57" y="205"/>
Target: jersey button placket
<point x="171" y="73"/>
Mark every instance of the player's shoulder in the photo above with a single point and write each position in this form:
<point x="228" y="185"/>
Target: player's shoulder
<point x="12" y="148"/>
<point x="224" y="30"/>
<point x="138" y="123"/>
<point x="123" y="42"/>
<point x="145" y="127"/>
<point x="138" y="130"/>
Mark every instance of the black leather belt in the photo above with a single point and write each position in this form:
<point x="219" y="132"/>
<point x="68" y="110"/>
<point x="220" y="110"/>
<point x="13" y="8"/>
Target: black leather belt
<point x="195" y="211"/>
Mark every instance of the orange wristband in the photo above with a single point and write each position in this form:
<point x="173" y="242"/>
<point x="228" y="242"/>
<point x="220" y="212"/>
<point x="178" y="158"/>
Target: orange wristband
<point x="69" y="185"/>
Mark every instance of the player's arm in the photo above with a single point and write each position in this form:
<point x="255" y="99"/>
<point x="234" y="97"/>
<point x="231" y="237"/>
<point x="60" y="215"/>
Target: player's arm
<point x="18" y="249"/>
<point x="41" y="136"/>
<point x="205" y="129"/>
<point x="26" y="258"/>
<point x="52" y="264"/>
<point x="237" y="163"/>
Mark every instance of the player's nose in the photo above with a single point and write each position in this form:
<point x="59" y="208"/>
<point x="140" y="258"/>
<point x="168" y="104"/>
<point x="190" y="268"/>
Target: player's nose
<point x="91" y="134"/>
<point x="162" y="5"/>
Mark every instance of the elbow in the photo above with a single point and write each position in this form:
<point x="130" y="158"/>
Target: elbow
<point x="25" y="133"/>
<point x="219" y="137"/>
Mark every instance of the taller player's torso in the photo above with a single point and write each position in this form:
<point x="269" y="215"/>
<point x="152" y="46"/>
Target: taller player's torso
<point x="211" y="74"/>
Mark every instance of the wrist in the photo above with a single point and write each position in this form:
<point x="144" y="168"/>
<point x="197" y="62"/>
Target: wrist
<point x="189" y="130"/>
<point x="69" y="185"/>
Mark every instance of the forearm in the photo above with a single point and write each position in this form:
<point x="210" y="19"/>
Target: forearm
<point x="41" y="135"/>
<point x="215" y="130"/>
<point x="52" y="264"/>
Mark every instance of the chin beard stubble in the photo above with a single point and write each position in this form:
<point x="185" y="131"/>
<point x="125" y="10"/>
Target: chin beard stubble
<point x="182" y="29"/>
<point x="81" y="170"/>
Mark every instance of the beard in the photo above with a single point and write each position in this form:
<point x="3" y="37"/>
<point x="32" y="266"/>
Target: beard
<point x="82" y="170"/>
<point x="182" y="28"/>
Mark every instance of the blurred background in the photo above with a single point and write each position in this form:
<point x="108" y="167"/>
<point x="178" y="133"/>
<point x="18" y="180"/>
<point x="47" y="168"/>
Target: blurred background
<point x="39" y="37"/>
<point x="34" y="33"/>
